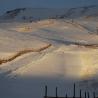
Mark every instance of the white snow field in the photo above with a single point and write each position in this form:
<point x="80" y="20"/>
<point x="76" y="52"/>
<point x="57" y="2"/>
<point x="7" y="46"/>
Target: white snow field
<point x="53" y="52"/>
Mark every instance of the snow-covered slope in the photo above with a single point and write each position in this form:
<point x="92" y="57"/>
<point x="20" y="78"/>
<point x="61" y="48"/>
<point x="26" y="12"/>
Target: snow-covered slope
<point x="56" y="52"/>
<point x="68" y="40"/>
<point x="33" y="14"/>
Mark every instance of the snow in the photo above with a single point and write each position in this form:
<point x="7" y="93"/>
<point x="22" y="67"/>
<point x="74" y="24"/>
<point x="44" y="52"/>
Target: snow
<point x="71" y="57"/>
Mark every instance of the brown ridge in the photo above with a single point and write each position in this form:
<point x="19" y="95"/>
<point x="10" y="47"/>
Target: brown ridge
<point x="23" y="52"/>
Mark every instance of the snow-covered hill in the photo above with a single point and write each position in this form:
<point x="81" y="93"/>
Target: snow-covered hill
<point x="56" y="52"/>
<point x="33" y="14"/>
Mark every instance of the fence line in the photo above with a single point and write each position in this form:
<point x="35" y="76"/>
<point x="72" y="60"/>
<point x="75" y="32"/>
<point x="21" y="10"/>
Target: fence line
<point x="86" y="93"/>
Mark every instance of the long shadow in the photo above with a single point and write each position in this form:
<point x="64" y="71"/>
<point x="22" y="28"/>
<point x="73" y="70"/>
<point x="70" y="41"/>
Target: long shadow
<point x="30" y="87"/>
<point x="66" y="42"/>
<point x="33" y="87"/>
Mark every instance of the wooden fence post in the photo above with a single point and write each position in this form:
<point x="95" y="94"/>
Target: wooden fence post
<point x="85" y="94"/>
<point x="94" y="96"/>
<point x="66" y="96"/>
<point x="88" y="94"/>
<point x="74" y="91"/>
<point x="46" y="91"/>
<point x="80" y="94"/>
<point x="56" y="92"/>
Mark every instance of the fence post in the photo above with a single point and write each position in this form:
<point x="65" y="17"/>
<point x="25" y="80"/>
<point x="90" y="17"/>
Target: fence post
<point x="80" y="94"/>
<point x="88" y="94"/>
<point x="85" y="94"/>
<point x="94" y="96"/>
<point x="56" y="92"/>
<point x="46" y="91"/>
<point x="66" y="96"/>
<point x="74" y="90"/>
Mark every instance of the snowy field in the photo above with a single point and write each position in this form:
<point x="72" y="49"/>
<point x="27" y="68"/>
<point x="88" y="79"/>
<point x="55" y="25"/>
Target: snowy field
<point x="53" y="52"/>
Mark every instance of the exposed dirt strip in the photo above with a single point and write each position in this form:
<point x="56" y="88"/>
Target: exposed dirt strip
<point x="22" y="53"/>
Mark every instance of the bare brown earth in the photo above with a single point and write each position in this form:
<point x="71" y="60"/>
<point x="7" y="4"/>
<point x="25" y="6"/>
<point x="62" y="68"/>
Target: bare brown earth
<point x="22" y="53"/>
<point x="92" y="46"/>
